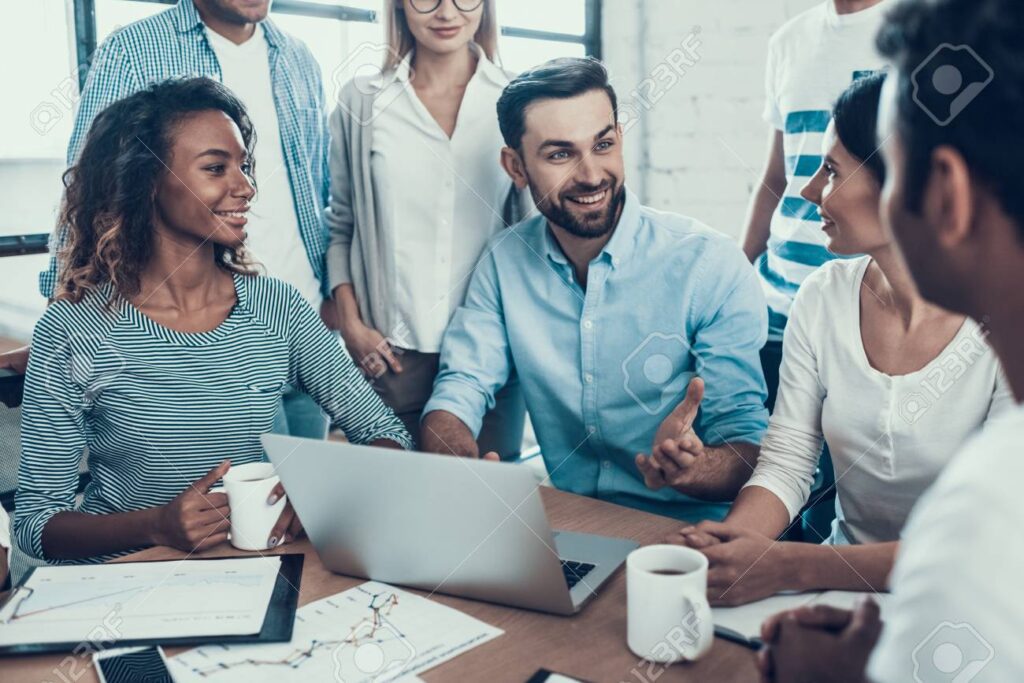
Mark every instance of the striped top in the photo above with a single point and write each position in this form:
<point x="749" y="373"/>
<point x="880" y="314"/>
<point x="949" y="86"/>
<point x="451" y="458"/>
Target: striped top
<point x="158" y="408"/>
<point x="175" y="43"/>
<point x="811" y="60"/>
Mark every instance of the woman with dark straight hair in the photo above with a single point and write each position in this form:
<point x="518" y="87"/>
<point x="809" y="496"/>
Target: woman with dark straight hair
<point x="866" y="366"/>
<point x="164" y="353"/>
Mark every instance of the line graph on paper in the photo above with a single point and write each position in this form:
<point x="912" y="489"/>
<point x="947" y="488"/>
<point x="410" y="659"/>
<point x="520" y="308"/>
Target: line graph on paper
<point x="146" y="600"/>
<point x="373" y="632"/>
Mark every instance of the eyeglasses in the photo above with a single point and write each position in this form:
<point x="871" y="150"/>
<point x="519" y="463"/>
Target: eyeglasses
<point x="428" y="6"/>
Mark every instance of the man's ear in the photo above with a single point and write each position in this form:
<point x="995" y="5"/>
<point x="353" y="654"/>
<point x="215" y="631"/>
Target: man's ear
<point x="512" y="162"/>
<point x="949" y="198"/>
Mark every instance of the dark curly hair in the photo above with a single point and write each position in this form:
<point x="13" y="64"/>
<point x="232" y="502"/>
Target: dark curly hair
<point x="109" y="193"/>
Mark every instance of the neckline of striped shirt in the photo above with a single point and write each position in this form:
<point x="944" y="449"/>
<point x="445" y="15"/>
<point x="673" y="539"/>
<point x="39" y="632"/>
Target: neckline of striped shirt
<point x="239" y="314"/>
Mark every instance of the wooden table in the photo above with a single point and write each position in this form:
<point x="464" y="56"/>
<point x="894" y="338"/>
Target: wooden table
<point x="590" y="645"/>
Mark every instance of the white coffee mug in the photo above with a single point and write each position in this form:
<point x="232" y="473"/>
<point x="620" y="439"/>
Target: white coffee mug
<point x="248" y="487"/>
<point x="669" y="618"/>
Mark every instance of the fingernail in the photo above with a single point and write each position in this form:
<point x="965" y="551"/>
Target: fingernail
<point x="272" y="543"/>
<point x="272" y="499"/>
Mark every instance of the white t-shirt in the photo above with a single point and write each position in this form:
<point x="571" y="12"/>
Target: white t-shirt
<point x="273" y="228"/>
<point x="889" y="437"/>
<point x="957" y="609"/>
<point x="440" y="198"/>
<point x="812" y="59"/>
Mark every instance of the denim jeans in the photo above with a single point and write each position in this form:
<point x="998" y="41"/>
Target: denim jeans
<point x="299" y="415"/>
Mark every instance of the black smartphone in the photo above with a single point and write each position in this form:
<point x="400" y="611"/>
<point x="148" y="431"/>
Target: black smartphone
<point x="132" y="665"/>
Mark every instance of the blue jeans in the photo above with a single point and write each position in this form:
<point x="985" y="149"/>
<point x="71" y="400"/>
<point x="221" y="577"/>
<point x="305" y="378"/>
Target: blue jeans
<point x="299" y="415"/>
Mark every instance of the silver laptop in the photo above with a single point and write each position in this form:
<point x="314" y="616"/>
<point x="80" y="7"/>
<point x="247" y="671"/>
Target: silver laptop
<point x="471" y="528"/>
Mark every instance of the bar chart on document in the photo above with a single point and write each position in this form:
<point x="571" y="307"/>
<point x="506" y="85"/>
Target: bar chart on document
<point x="373" y="632"/>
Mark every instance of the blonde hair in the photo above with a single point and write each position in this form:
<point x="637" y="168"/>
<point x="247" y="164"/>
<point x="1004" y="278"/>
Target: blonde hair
<point x="401" y="41"/>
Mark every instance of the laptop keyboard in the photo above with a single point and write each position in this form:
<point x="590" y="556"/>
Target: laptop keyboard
<point x="575" y="571"/>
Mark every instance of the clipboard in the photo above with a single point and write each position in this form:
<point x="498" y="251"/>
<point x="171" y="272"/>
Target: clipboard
<point x="277" y="623"/>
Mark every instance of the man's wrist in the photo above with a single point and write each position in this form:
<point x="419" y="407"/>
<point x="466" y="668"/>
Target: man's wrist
<point x="444" y="432"/>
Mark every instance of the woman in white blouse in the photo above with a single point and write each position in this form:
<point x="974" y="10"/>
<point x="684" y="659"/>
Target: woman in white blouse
<point x="416" y="192"/>
<point x="893" y="384"/>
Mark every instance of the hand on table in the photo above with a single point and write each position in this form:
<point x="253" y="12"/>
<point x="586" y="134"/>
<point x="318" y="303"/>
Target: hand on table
<point x="695" y="537"/>
<point x="196" y="519"/>
<point x="819" y="643"/>
<point x="676" y="448"/>
<point x="743" y="565"/>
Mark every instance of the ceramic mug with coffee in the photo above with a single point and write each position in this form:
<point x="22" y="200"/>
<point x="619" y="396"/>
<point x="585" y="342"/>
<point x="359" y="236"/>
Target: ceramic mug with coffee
<point x="669" y="618"/>
<point x="252" y="519"/>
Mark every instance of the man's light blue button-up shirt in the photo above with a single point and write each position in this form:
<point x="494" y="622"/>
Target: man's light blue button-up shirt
<point x="602" y="366"/>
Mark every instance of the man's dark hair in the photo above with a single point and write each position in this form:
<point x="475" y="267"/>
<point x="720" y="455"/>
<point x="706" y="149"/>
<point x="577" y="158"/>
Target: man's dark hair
<point x="560" y="78"/>
<point x="982" y="40"/>
<point x="855" y="116"/>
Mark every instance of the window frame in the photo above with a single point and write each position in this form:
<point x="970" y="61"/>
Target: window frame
<point x="84" y="13"/>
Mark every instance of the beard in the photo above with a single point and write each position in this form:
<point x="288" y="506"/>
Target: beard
<point x="574" y="218"/>
<point x="227" y="12"/>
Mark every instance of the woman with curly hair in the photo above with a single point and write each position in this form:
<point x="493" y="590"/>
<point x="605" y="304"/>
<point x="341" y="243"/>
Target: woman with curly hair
<point x="164" y="353"/>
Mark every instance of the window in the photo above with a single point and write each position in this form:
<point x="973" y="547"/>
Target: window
<point x="49" y="44"/>
<point x="532" y="31"/>
<point x="63" y="37"/>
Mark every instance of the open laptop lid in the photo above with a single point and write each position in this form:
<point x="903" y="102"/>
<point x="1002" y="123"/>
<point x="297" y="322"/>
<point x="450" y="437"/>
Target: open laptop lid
<point x="439" y="523"/>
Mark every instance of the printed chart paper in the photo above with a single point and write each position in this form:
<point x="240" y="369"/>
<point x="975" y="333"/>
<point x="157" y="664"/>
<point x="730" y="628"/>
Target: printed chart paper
<point x="373" y="632"/>
<point x="141" y="600"/>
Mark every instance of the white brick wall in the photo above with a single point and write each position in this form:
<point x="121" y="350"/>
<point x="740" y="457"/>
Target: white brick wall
<point x="699" y="143"/>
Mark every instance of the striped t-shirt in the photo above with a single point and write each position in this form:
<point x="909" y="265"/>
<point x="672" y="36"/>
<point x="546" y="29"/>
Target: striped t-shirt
<point x="157" y="409"/>
<point x="812" y="59"/>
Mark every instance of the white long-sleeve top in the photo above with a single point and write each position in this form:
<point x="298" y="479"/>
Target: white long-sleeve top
<point x="889" y="436"/>
<point x="441" y="197"/>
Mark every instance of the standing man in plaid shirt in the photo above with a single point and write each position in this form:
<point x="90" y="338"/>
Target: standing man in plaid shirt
<point x="279" y="81"/>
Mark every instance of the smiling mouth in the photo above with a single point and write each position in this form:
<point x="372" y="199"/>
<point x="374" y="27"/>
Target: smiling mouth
<point x="589" y="199"/>
<point x="232" y="214"/>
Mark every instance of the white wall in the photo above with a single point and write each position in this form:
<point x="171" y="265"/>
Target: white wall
<point x="29" y="194"/>
<point x="699" y="144"/>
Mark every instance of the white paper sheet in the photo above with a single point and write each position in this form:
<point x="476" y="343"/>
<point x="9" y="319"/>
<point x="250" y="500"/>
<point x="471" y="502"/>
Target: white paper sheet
<point x="746" y="620"/>
<point x="373" y="632"/>
<point x="141" y="600"/>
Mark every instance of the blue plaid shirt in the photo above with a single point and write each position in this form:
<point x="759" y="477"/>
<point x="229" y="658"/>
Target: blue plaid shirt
<point x="173" y="43"/>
